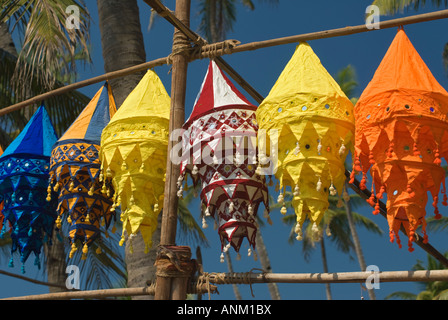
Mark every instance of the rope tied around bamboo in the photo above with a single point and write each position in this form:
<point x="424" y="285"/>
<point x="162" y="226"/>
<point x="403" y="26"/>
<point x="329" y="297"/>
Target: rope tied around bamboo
<point x="175" y="262"/>
<point x="230" y="278"/>
<point x="202" y="50"/>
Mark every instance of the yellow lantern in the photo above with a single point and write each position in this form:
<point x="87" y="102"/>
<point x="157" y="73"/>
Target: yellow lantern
<point x="309" y="121"/>
<point x="134" y="154"/>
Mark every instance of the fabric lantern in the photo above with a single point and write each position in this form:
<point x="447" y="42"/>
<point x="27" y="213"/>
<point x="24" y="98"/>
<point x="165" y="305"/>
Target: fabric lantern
<point x="134" y="155"/>
<point x="219" y="151"/>
<point x="24" y="173"/>
<point x="75" y="172"/>
<point x="309" y="122"/>
<point x="401" y="136"/>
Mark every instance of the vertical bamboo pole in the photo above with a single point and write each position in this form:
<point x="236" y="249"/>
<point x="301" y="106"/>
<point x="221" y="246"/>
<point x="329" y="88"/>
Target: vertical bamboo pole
<point x="164" y="290"/>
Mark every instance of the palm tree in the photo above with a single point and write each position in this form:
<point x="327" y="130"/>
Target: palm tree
<point x="388" y="7"/>
<point x="434" y="290"/>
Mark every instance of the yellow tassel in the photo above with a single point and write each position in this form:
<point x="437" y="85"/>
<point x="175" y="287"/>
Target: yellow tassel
<point x="69" y="220"/>
<point x="73" y="250"/>
<point x="98" y="250"/>
<point x="48" y="193"/>
<point x="85" y="248"/>
<point x="283" y="210"/>
<point x="56" y="187"/>
<point x="108" y="173"/>
<point x="58" y="222"/>
<point x="121" y="241"/>
<point x="90" y="193"/>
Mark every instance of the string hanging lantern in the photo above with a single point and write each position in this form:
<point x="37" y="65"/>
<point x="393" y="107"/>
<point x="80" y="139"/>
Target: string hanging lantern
<point x="134" y="154"/>
<point x="401" y="136"/>
<point x="219" y="152"/>
<point x="309" y="127"/>
<point x="76" y="176"/>
<point x="24" y="174"/>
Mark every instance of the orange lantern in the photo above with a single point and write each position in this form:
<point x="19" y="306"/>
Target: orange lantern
<point x="401" y="136"/>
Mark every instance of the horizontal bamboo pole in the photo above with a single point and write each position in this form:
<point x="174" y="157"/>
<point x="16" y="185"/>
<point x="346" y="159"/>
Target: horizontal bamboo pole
<point x="336" y="277"/>
<point x="253" y="278"/>
<point x="109" y="293"/>
<point x="91" y="294"/>
<point x="85" y="83"/>
<point x="205" y="52"/>
<point x="18" y="276"/>
<point x="393" y="23"/>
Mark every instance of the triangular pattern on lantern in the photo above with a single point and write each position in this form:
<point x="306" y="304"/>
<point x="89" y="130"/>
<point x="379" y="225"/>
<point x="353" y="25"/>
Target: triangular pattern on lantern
<point x="134" y="153"/>
<point x="309" y="127"/>
<point x="401" y="136"/>
<point x="75" y="172"/>
<point x="24" y="173"/>
<point x="219" y="152"/>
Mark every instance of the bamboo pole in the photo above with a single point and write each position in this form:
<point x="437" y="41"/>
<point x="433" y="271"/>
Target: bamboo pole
<point x="442" y="14"/>
<point x="91" y="294"/>
<point x="163" y="11"/>
<point x="168" y="287"/>
<point x="84" y="83"/>
<point x="48" y="284"/>
<point x="335" y="277"/>
<point x="207" y="279"/>
<point x="219" y="49"/>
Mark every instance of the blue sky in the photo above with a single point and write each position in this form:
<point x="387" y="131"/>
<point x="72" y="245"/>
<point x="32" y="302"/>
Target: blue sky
<point x="261" y="69"/>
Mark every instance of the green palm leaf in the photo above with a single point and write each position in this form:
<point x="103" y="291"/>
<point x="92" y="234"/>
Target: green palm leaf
<point x="48" y="38"/>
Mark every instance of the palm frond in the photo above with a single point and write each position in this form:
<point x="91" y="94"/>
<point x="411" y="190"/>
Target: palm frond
<point x="390" y="7"/>
<point x="189" y="228"/>
<point x="100" y="270"/>
<point x="48" y="38"/>
<point x="63" y="109"/>
<point x="347" y="80"/>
